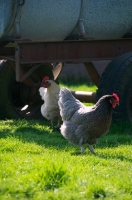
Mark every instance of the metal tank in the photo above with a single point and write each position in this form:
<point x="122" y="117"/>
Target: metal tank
<point x="46" y="20"/>
<point x="105" y="19"/>
<point x="51" y="20"/>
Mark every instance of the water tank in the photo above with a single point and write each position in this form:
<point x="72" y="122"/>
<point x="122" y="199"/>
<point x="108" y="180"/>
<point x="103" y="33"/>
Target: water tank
<point x="55" y="20"/>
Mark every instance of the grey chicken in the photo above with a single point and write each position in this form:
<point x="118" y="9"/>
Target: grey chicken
<point x="83" y="124"/>
<point x="50" y="94"/>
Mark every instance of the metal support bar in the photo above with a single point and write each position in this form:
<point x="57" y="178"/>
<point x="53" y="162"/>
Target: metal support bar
<point x="92" y="72"/>
<point x="26" y="75"/>
<point x="68" y="51"/>
<point x="73" y="51"/>
<point x="21" y="76"/>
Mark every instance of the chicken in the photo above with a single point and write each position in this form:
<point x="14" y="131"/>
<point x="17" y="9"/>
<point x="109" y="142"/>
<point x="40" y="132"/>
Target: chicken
<point x="50" y="94"/>
<point x="82" y="124"/>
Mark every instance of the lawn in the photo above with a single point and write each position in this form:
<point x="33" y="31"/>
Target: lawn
<point x="84" y="86"/>
<point x="37" y="163"/>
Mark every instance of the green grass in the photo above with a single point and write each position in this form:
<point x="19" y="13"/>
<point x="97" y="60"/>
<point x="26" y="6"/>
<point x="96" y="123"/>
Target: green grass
<point x="38" y="163"/>
<point x="84" y="86"/>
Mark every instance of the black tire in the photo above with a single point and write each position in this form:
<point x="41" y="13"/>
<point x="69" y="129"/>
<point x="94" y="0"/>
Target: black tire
<point x="117" y="78"/>
<point x="14" y="96"/>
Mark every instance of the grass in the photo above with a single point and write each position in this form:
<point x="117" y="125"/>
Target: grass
<point x="38" y="163"/>
<point x="84" y="86"/>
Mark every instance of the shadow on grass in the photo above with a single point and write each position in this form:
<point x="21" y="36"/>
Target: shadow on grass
<point x="27" y="132"/>
<point x="39" y="132"/>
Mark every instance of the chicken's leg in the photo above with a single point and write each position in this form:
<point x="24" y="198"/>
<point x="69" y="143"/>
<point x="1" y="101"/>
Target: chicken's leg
<point x="82" y="149"/>
<point x="81" y="145"/>
<point x="52" y="124"/>
<point x="58" y="124"/>
<point x="91" y="149"/>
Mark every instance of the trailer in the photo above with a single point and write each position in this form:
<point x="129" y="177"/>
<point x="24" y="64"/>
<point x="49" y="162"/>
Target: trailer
<point x="38" y="37"/>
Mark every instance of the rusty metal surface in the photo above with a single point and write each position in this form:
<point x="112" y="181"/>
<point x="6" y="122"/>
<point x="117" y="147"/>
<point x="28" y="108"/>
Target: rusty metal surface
<point x="68" y="51"/>
<point x="73" y="51"/>
<point x="88" y="97"/>
<point x="27" y="74"/>
<point x="20" y="74"/>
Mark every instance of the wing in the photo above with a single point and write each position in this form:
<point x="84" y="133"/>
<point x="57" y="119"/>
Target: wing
<point x="68" y="104"/>
<point x="68" y="131"/>
<point x="74" y="133"/>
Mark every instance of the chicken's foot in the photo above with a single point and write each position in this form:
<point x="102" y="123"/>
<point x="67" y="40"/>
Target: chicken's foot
<point x="91" y="149"/>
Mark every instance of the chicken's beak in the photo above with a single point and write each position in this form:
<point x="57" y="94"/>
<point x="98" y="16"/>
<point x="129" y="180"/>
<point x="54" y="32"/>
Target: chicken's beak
<point x="45" y="84"/>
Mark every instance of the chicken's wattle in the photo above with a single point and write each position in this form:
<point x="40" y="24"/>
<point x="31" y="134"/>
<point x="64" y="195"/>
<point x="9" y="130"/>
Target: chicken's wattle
<point x="46" y="85"/>
<point x="113" y="105"/>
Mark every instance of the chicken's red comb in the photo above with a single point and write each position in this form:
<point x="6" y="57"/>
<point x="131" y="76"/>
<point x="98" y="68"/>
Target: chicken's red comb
<point x="116" y="96"/>
<point x="45" y="79"/>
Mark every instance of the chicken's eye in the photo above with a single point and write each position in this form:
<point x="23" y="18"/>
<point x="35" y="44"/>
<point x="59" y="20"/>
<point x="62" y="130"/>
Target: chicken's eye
<point x="110" y="101"/>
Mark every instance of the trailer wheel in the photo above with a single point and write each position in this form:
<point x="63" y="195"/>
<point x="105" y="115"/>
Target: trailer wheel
<point x="16" y="100"/>
<point x="117" y="78"/>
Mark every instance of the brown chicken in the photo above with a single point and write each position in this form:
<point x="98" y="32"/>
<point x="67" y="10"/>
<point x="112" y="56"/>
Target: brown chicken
<point x="82" y="124"/>
<point x="50" y="94"/>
